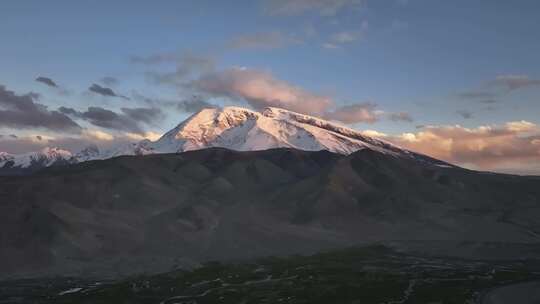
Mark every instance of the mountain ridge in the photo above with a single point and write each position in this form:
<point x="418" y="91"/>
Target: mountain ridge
<point x="234" y="128"/>
<point x="133" y="214"/>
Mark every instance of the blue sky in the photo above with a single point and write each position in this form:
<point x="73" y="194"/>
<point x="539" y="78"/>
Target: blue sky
<point x="398" y="56"/>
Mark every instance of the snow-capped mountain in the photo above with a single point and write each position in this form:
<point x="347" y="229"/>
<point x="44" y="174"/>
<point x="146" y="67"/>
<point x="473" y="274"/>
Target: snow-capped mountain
<point x="233" y="128"/>
<point x="246" y="130"/>
<point x="44" y="158"/>
<point x="242" y="129"/>
<point x="4" y="157"/>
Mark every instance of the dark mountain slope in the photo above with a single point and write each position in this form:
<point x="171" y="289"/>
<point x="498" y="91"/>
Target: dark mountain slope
<point x="151" y="213"/>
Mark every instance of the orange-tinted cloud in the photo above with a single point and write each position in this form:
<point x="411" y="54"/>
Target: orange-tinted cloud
<point x="261" y="89"/>
<point x="512" y="147"/>
<point x="350" y="114"/>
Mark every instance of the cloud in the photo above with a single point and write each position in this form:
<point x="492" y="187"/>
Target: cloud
<point x="51" y="83"/>
<point x="465" y="114"/>
<point x="263" y="40"/>
<point x="146" y="115"/>
<point x="187" y="65"/>
<point x="194" y="104"/>
<point x="299" y="7"/>
<point x="475" y="95"/>
<point x="110" y="120"/>
<point x="260" y="89"/>
<point x="338" y="39"/>
<point x="512" y="147"/>
<point x="98" y="135"/>
<point x="356" y="113"/>
<point x="47" y="81"/>
<point x="104" y="91"/>
<point x="514" y="82"/>
<point x="345" y="37"/>
<point x="373" y="133"/>
<point x="21" y="111"/>
<point x="153" y="136"/>
<point x="130" y="120"/>
<point x="156" y="58"/>
<point x="257" y="88"/>
<point x="330" y="46"/>
<point x="521" y="126"/>
<point x="109" y="81"/>
<point x="478" y="96"/>
<point x="400" y="116"/>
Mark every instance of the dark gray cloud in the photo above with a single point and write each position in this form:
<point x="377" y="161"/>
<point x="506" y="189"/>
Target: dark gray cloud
<point x="104" y="91"/>
<point x="152" y="101"/>
<point x="194" y="104"/>
<point x="47" y="81"/>
<point x="51" y="83"/>
<point x="186" y="65"/>
<point x="21" y="111"/>
<point x="400" y="116"/>
<point x="109" y="81"/>
<point x="146" y="115"/>
<point x="111" y="120"/>
<point x="104" y="118"/>
<point x="68" y="111"/>
<point x="130" y="120"/>
<point x="465" y="114"/>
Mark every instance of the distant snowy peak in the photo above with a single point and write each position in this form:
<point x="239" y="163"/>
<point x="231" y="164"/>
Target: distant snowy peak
<point x="89" y="153"/>
<point x="44" y="158"/>
<point x="4" y="157"/>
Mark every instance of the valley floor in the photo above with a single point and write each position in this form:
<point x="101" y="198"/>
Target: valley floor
<point x="374" y="274"/>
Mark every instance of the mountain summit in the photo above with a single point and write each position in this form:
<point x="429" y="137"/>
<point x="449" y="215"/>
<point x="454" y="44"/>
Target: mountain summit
<point x="241" y="129"/>
<point x="233" y="128"/>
